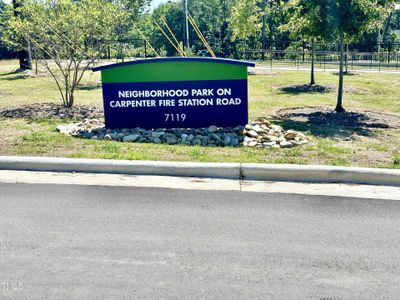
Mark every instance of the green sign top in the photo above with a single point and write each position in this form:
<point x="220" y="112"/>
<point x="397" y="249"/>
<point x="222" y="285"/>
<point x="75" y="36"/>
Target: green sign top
<point x="174" y="69"/>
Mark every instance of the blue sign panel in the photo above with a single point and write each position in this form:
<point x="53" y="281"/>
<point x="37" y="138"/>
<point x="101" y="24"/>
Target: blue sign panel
<point x="176" y="104"/>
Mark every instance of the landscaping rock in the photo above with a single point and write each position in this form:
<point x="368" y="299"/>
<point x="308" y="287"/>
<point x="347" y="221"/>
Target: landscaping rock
<point x="130" y="138"/>
<point x="285" y="144"/>
<point x="290" y="135"/>
<point x="260" y="134"/>
<point x="252" y="133"/>
<point x="212" y="129"/>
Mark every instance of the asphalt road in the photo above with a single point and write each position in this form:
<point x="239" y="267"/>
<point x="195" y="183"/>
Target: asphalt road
<point x="78" y="242"/>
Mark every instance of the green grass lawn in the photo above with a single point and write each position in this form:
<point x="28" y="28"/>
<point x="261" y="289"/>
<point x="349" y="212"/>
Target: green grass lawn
<point x="369" y="91"/>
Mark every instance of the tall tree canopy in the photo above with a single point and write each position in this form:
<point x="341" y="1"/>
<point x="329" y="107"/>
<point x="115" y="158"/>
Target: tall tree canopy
<point x="5" y="15"/>
<point x="342" y="20"/>
<point x="68" y="32"/>
<point x="245" y="20"/>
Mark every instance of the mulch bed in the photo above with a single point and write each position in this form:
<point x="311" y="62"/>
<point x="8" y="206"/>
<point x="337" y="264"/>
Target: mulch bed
<point x="318" y="88"/>
<point x="52" y="110"/>
<point x="326" y="116"/>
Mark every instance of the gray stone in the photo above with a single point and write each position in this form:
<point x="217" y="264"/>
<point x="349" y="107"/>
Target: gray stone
<point x="63" y="129"/>
<point x="257" y="128"/>
<point x="253" y="144"/>
<point x="212" y="129"/>
<point x="108" y="137"/>
<point x="285" y="144"/>
<point x="268" y="145"/>
<point x="204" y="141"/>
<point x="157" y="134"/>
<point x="196" y="141"/>
<point x="227" y="141"/>
<point x="87" y="135"/>
<point x="214" y="137"/>
<point x="97" y="129"/>
<point x="276" y="128"/>
<point x="290" y="135"/>
<point x="190" y="138"/>
<point x="131" y="138"/>
<point x="171" y="140"/>
<point x="259" y="134"/>
<point x="157" y="140"/>
<point x="234" y="142"/>
<point x="184" y="137"/>
<point x="252" y="133"/>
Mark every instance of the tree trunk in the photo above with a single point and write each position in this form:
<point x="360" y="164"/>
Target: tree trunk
<point x="71" y="99"/>
<point x="339" y="106"/>
<point x="263" y="29"/>
<point x="346" y="58"/>
<point x="312" y="82"/>
<point x="24" y="55"/>
<point x="245" y="48"/>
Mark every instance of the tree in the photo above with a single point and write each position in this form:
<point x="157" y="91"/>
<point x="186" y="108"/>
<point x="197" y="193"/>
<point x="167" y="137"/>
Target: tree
<point x="212" y="18"/>
<point x="67" y="32"/>
<point x="172" y="11"/>
<point x="350" y="20"/>
<point x="343" y="20"/>
<point x="5" y="15"/>
<point x="245" y="20"/>
<point x="308" y="21"/>
<point x="24" y="48"/>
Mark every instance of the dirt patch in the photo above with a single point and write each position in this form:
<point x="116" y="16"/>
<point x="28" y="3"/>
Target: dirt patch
<point x="326" y="116"/>
<point x="52" y="110"/>
<point x="318" y="88"/>
<point x="3" y="94"/>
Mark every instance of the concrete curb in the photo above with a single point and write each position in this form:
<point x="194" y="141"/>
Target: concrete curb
<point x="49" y="164"/>
<point x="265" y="172"/>
<point x="321" y="174"/>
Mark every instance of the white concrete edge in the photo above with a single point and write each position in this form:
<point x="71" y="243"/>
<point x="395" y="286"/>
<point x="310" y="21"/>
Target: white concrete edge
<point x="163" y="168"/>
<point x="257" y="172"/>
<point x="321" y="174"/>
<point x="358" y="191"/>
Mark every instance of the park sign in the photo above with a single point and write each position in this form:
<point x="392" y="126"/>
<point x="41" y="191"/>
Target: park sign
<point x="175" y="93"/>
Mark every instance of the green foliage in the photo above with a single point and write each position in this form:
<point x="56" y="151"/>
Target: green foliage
<point x="5" y="15"/>
<point x="212" y="17"/>
<point x="333" y="19"/>
<point x="396" y="160"/>
<point x="342" y="20"/>
<point x="68" y="32"/>
<point x="173" y="13"/>
<point x="245" y="19"/>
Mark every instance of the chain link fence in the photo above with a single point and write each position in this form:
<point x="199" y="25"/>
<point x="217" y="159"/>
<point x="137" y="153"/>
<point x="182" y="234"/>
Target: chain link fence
<point x="282" y="54"/>
<point x="377" y="57"/>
